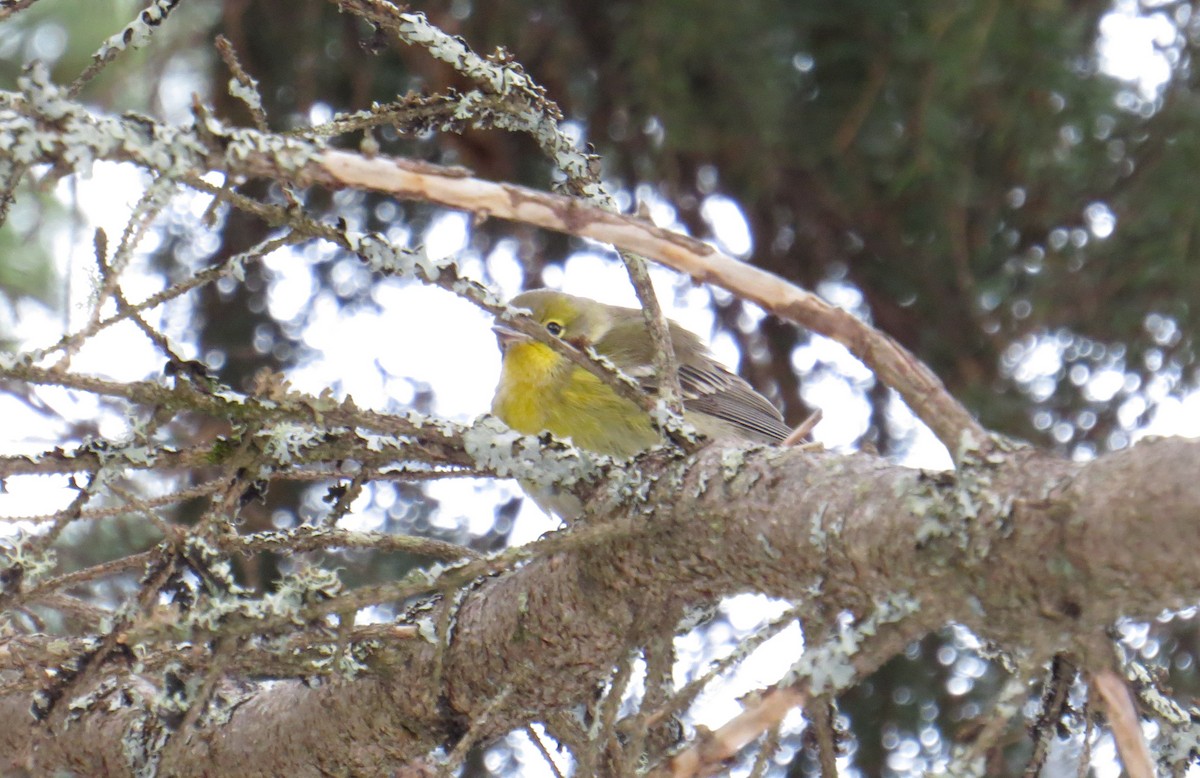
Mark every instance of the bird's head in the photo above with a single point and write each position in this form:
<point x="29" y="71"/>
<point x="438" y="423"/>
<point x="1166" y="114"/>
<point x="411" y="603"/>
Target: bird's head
<point x="576" y="320"/>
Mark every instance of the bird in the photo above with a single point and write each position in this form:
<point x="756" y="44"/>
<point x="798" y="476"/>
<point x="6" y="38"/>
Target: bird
<point x="540" y="390"/>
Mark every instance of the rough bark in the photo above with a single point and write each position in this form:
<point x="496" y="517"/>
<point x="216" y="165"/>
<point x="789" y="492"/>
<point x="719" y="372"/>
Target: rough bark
<point x="1031" y="551"/>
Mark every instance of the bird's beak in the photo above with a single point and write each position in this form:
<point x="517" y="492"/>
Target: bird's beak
<point x="506" y="336"/>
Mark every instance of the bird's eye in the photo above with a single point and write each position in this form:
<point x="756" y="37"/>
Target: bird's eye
<point x="554" y="328"/>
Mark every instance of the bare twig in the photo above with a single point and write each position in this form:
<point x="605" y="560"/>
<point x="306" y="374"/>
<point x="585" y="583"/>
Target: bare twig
<point x="217" y="667"/>
<point x="711" y="749"/>
<point x="536" y="739"/>
<point x="665" y="363"/>
<point x="804" y="429"/>
<point x="821" y="714"/>
<point x="230" y="266"/>
<point x="478" y="726"/>
<point x="604" y="727"/>
<point x="762" y="760"/>
<point x="659" y="657"/>
<point x="244" y="87"/>
<point x="1006" y="705"/>
<point x="1113" y="694"/>
<point x="685" y="696"/>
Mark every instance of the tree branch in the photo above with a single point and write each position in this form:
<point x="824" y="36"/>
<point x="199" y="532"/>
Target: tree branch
<point x="1009" y="554"/>
<point x="31" y="124"/>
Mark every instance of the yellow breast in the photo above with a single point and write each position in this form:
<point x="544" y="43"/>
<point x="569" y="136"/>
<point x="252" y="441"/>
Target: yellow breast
<point x="541" y="391"/>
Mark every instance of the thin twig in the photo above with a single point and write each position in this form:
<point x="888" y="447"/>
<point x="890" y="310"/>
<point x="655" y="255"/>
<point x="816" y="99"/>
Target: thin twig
<point x="227" y="267"/>
<point x="604" y="728"/>
<point x="287" y="161"/>
<point x="134" y="35"/>
<point x="1113" y="694"/>
<point x="249" y="92"/>
<point x="244" y="87"/>
<point x="1085" y="755"/>
<point x="685" y="696"/>
<point x="565" y="728"/>
<point x="478" y="724"/>
<point x="11" y="7"/>
<point x="892" y="363"/>
<point x="762" y="760"/>
<point x="1054" y="701"/>
<point x="659" y="657"/>
<point x="536" y="739"/>
<point x="1005" y="706"/>
<point x="714" y="748"/>
<point x="216" y="661"/>
<point x="821" y="714"/>
<point x="802" y="431"/>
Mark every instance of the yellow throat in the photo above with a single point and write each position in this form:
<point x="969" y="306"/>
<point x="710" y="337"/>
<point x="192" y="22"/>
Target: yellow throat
<point x="541" y="390"/>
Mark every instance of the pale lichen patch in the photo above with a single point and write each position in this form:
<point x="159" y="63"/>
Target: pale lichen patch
<point x="829" y="666"/>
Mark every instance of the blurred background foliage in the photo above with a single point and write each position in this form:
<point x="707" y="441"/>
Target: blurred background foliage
<point x="1024" y="222"/>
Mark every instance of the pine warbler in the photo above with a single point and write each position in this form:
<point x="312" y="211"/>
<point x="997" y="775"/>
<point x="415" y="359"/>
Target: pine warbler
<point x="541" y="390"/>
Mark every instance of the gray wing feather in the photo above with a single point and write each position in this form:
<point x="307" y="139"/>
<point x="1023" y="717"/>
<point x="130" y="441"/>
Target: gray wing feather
<point x="707" y="387"/>
<point x="715" y="391"/>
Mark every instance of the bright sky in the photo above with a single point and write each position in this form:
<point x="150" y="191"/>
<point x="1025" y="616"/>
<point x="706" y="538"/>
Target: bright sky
<point x="418" y="327"/>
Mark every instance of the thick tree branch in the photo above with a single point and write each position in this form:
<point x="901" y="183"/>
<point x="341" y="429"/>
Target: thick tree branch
<point x="1008" y="549"/>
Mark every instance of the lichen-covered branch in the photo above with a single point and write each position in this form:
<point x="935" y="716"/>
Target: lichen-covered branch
<point x="1009" y="555"/>
<point x="1035" y="554"/>
<point x="43" y="126"/>
<point x="525" y="107"/>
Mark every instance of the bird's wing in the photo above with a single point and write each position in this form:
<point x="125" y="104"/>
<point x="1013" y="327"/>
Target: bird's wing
<point x="708" y="388"/>
<point x="713" y="390"/>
